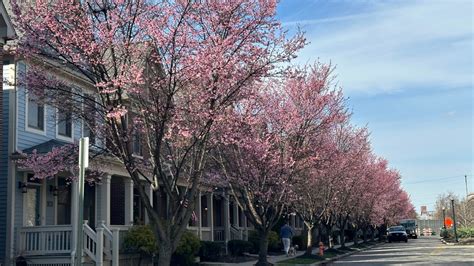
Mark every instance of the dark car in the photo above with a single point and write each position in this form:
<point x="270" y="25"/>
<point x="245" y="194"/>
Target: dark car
<point x="397" y="233"/>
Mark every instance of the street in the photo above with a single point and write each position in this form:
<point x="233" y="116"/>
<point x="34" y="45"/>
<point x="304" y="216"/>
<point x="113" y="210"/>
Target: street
<point x="424" y="250"/>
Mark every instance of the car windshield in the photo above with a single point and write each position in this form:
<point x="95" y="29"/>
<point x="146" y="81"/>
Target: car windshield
<point x="396" y="228"/>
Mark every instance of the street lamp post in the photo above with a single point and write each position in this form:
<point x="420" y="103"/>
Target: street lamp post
<point x="444" y="218"/>
<point x="454" y="220"/>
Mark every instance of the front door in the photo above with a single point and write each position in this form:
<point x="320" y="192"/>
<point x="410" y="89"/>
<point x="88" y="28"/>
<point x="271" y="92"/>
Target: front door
<point x="32" y="216"/>
<point x="64" y="202"/>
<point x="89" y="204"/>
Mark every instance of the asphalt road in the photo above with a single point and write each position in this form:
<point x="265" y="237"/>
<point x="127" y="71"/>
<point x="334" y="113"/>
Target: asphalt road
<point x="421" y="251"/>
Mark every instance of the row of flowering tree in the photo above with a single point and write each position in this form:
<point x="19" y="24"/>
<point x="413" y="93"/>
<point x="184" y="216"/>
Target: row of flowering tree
<point x="206" y="89"/>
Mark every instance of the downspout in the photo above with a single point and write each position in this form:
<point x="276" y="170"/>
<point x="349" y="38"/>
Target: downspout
<point x="12" y="131"/>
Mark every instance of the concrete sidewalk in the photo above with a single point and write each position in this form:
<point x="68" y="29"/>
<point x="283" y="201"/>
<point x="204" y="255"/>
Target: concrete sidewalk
<point x="272" y="259"/>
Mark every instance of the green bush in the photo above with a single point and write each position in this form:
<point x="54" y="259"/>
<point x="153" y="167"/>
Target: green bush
<point x="466" y="232"/>
<point x="301" y="241"/>
<point x="274" y="243"/>
<point x="446" y="233"/>
<point x="187" y="250"/>
<point x="140" y="239"/>
<point x="238" y="247"/>
<point x="211" y="251"/>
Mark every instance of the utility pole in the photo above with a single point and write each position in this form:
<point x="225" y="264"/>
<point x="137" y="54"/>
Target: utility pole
<point x="83" y="164"/>
<point x="454" y="220"/>
<point x="467" y="191"/>
<point x="444" y="218"/>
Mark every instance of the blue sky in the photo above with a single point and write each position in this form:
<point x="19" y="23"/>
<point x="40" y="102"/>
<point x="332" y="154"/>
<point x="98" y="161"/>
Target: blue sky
<point x="407" y="68"/>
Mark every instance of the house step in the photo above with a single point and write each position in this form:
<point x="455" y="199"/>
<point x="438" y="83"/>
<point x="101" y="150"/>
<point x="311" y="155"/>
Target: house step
<point x="51" y="260"/>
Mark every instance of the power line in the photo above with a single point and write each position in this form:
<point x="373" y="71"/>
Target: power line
<point x="435" y="179"/>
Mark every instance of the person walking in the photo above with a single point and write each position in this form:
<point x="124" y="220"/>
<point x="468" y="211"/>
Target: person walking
<point x="286" y="233"/>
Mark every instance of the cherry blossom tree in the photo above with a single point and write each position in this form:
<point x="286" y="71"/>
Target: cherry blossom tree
<point x="164" y="73"/>
<point x="273" y="143"/>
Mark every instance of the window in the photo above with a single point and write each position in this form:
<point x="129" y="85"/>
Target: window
<point x="35" y="113"/>
<point x="137" y="145"/>
<point x="89" y="124"/>
<point x="64" y="115"/>
<point x="65" y="123"/>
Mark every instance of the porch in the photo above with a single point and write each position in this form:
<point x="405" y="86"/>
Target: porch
<point x="45" y="228"/>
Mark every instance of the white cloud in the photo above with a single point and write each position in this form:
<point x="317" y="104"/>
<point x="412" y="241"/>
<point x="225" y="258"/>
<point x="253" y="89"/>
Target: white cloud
<point x="422" y="44"/>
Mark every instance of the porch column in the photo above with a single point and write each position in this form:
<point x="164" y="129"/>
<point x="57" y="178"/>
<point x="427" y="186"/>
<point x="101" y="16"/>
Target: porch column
<point x="236" y="214"/>
<point x="226" y="218"/>
<point x="105" y="200"/>
<point x="149" y="193"/>
<point x="246" y="227"/>
<point x="128" y="201"/>
<point x="199" y="215"/>
<point x="210" y="214"/>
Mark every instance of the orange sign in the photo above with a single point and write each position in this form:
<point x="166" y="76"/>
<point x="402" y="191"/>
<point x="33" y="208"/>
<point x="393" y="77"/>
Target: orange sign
<point x="448" y="222"/>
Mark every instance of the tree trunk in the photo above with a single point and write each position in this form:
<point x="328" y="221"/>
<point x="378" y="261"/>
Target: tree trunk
<point x="342" y="237"/>
<point x="355" y="235"/>
<point x="165" y="252"/>
<point x="309" y="243"/>
<point x="263" y="251"/>
<point x="372" y="234"/>
<point x="329" y="231"/>
<point x="364" y="232"/>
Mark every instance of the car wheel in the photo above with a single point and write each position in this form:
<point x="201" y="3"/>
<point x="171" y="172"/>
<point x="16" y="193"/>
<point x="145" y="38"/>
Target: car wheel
<point x="406" y="240"/>
<point x="415" y="237"/>
<point x="389" y="241"/>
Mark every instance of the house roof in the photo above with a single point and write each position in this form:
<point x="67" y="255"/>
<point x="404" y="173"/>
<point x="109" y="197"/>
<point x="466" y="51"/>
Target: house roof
<point x="45" y="147"/>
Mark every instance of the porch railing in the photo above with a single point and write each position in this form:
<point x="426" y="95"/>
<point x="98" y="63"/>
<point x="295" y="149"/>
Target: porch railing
<point x="235" y="233"/>
<point x="45" y="240"/>
<point x="101" y="242"/>
<point x="219" y="234"/>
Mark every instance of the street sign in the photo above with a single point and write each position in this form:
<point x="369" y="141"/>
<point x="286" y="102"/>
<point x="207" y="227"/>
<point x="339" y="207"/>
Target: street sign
<point x="448" y="222"/>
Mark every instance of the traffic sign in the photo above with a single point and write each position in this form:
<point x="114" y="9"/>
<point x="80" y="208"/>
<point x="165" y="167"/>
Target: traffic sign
<point x="448" y="222"/>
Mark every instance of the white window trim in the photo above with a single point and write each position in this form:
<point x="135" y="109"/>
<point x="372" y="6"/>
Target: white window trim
<point x="32" y="129"/>
<point x="61" y="137"/>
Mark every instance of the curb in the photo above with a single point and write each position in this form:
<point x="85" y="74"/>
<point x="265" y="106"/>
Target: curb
<point x="346" y="254"/>
<point x="447" y="243"/>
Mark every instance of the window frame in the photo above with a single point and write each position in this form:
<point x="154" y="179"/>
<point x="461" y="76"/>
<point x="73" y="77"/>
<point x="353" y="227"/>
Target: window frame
<point x="29" y="128"/>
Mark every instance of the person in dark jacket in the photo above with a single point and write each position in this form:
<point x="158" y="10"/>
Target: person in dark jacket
<point x="286" y="233"/>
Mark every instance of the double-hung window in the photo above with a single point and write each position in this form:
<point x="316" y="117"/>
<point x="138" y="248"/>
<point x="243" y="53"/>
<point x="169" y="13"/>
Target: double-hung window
<point x="89" y="120"/>
<point x="35" y="113"/>
<point x="64" y="120"/>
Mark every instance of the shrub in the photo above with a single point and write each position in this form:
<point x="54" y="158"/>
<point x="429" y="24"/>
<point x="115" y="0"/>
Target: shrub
<point x="211" y="251"/>
<point x="300" y="240"/>
<point x="187" y="250"/>
<point x="140" y="239"/>
<point x="274" y="243"/>
<point x="447" y="233"/>
<point x="238" y="247"/>
<point x="466" y="232"/>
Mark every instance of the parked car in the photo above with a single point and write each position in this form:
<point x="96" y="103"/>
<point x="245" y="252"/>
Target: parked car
<point x="397" y="233"/>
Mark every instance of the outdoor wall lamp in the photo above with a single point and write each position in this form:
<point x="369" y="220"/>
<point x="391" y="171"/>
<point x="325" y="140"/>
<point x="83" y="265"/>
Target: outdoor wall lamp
<point x="53" y="190"/>
<point x="23" y="187"/>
